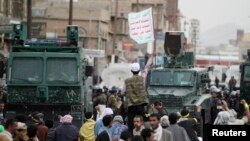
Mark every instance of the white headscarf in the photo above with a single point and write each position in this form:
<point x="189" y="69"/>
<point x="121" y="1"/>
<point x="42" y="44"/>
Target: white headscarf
<point x="66" y="119"/>
<point x="222" y="118"/>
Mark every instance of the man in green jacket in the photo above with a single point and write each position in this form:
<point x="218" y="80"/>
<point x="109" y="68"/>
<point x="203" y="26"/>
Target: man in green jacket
<point x="136" y="96"/>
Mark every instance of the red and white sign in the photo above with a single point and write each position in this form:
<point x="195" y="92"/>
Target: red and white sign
<point x="141" y="26"/>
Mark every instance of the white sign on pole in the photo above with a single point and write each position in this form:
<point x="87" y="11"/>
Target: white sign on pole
<point x="94" y="53"/>
<point x="141" y="26"/>
<point x="150" y="47"/>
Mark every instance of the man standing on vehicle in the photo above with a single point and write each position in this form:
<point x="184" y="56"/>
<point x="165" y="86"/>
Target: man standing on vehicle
<point x="136" y="96"/>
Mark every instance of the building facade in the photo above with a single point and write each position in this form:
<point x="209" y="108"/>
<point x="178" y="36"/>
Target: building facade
<point x="173" y="15"/>
<point x="194" y="34"/>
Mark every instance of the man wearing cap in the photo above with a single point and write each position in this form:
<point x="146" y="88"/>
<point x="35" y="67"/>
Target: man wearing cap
<point x="188" y="124"/>
<point x="42" y="130"/>
<point x="136" y="96"/>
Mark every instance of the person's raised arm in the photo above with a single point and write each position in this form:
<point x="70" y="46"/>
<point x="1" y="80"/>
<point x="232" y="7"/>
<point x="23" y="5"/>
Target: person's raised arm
<point x="148" y="67"/>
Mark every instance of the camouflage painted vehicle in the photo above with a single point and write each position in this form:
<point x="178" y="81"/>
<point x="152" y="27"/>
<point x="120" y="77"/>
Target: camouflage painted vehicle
<point x="177" y="83"/>
<point x="45" y="76"/>
<point x="245" y="79"/>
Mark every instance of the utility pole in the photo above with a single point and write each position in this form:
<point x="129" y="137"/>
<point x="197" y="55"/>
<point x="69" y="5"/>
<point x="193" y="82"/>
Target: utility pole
<point x="70" y="11"/>
<point x="29" y="18"/>
<point x="137" y="10"/>
<point x="156" y="28"/>
<point x="114" y="37"/>
<point x="137" y="5"/>
<point x="99" y="41"/>
<point x="6" y="8"/>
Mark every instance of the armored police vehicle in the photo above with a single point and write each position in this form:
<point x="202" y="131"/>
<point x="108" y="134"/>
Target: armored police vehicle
<point x="245" y="79"/>
<point x="45" y="76"/>
<point x="177" y="83"/>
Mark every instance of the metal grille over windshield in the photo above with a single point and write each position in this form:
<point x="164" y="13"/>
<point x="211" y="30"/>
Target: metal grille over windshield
<point x="27" y="70"/>
<point x="62" y="70"/>
<point x="167" y="78"/>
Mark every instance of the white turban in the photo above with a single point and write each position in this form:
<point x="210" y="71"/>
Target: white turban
<point x="135" y="67"/>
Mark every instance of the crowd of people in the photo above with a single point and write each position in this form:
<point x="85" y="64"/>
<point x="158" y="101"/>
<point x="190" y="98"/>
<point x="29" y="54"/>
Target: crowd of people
<point x="19" y="129"/>
<point x="227" y="108"/>
<point x="125" y="114"/>
<point x="108" y="126"/>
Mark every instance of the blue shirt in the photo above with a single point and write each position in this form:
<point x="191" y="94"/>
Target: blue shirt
<point x="98" y="126"/>
<point x="109" y="131"/>
<point x="117" y="129"/>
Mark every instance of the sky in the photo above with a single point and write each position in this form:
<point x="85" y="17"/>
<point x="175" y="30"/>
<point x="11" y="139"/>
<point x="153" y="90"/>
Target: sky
<point x="212" y="13"/>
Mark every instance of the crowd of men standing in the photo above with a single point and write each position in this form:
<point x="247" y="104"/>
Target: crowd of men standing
<point x="121" y="115"/>
<point x="115" y="119"/>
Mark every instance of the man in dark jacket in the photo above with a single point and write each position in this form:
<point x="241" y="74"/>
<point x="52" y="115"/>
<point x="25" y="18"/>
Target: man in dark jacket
<point x="217" y="81"/>
<point x="215" y="103"/>
<point x="179" y="133"/>
<point x="188" y="124"/>
<point x="67" y="131"/>
<point x="51" y="131"/>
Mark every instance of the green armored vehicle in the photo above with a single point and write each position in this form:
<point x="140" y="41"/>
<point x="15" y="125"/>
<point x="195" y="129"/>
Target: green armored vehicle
<point x="177" y="83"/>
<point x="245" y="79"/>
<point x="45" y="76"/>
